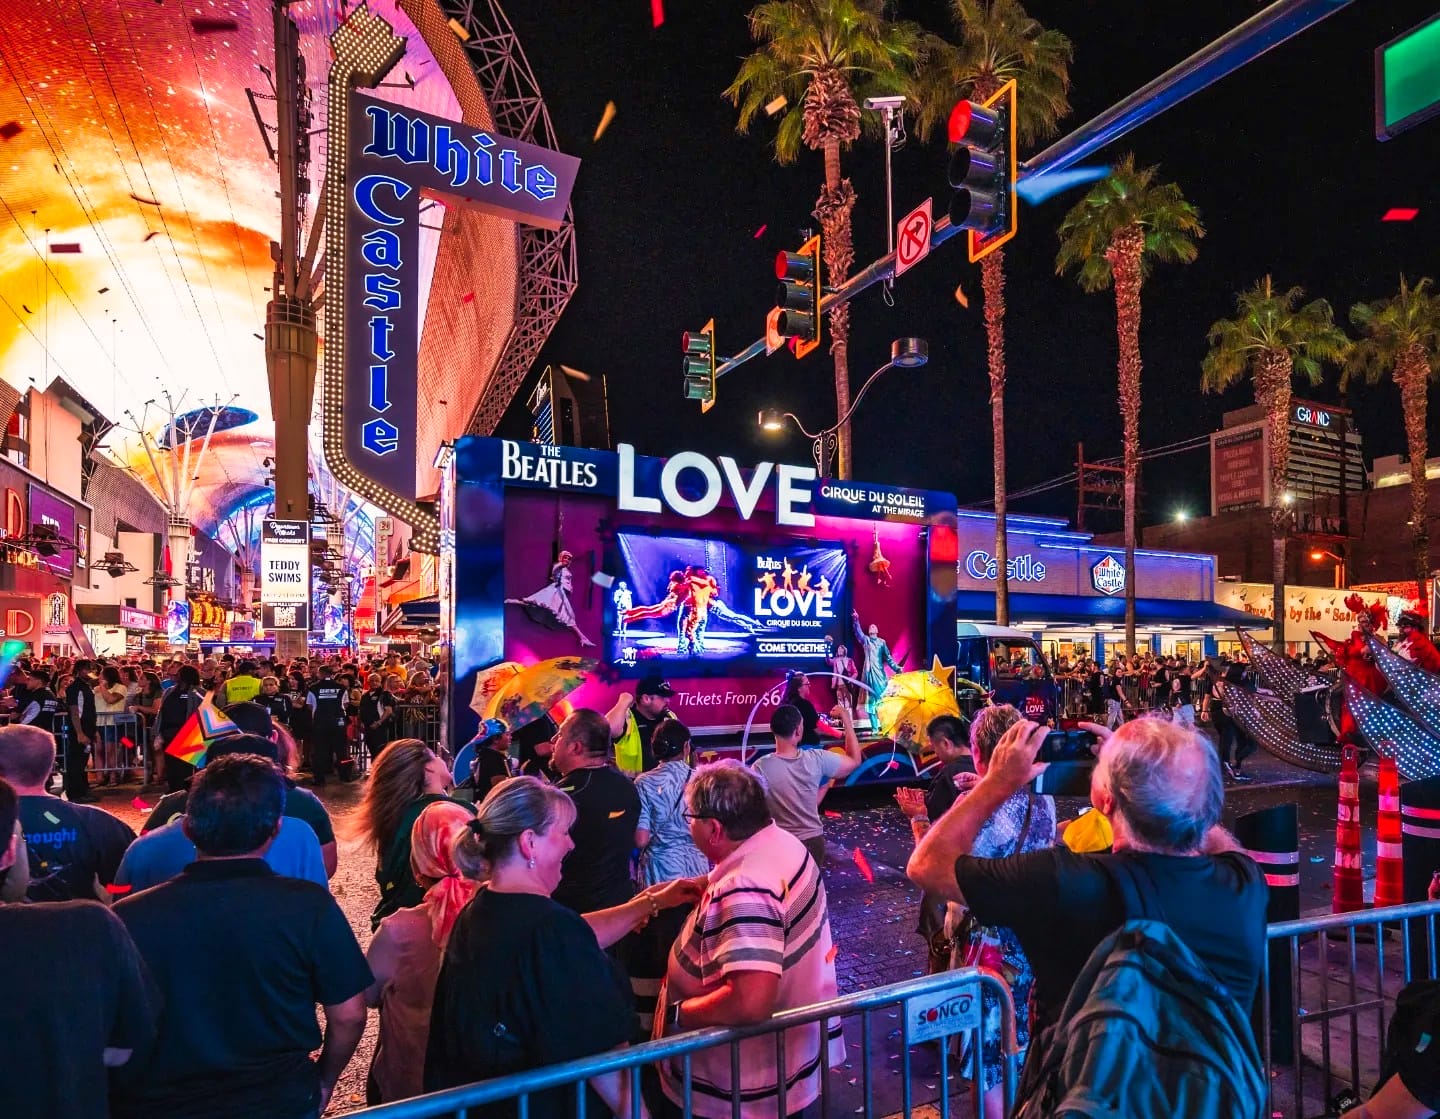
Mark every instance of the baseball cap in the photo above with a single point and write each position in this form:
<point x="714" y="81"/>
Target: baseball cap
<point x="251" y="718"/>
<point x="653" y="685"/>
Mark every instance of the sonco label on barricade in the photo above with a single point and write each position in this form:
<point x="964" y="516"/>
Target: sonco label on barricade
<point x="928" y="1017"/>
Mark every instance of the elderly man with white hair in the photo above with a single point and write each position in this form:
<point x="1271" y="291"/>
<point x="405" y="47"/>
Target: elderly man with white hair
<point x="1160" y="786"/>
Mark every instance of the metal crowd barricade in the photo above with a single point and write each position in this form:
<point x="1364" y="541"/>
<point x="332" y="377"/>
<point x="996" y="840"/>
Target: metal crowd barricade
<point x="418" y="720"/>
<point x="931" y="991"/>
<point x="1345" y="970"/>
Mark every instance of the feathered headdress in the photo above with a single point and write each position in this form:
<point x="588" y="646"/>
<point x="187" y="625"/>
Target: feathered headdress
<point x="1379" y="616"/>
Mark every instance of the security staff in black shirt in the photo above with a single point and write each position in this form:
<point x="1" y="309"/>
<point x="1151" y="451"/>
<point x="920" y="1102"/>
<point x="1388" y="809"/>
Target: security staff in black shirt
<point x="40" y="706"/>
<point x="327" y="700"/>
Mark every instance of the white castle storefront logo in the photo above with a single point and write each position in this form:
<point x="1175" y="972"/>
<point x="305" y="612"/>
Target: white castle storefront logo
<point x="1108" y="576"/>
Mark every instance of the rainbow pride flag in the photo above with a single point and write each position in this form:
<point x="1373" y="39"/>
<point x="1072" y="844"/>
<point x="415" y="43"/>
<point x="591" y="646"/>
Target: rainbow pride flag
<point x="206" y="724"/>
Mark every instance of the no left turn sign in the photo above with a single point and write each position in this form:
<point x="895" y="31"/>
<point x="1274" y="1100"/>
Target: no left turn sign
<point x="912" y="238"/>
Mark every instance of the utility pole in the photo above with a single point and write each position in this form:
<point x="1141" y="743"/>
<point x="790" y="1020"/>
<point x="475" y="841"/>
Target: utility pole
<point x="290" y="336"/>
<point x="1097" y="486"/>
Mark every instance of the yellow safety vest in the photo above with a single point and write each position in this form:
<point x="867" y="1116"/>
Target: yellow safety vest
<point x="241" y="689"/>
<point x="629" y="752"/>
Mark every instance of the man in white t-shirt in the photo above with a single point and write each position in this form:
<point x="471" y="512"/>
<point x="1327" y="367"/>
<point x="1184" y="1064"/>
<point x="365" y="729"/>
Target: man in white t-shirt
<point x="796" y="780"/>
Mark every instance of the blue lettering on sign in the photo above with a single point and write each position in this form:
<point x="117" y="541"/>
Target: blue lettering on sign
<point x="380" y="248"/>
<point x="1023" y="569"/>
<point x="365" y="198"/>
<point x="393" y="135"/>
<point x="380" y="437"/>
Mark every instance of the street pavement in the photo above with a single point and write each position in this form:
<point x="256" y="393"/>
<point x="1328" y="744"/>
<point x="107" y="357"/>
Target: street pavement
<point x="873" y="910"/>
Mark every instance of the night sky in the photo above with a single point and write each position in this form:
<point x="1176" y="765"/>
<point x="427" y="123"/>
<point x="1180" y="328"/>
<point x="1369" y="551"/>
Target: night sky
<point x="1280" y="158"/>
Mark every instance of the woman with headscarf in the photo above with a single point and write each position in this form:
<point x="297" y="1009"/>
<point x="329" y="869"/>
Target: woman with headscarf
<point x="405" y="955"/>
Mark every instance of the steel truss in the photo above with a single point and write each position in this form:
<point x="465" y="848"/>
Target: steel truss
<point x="549" y="271"/>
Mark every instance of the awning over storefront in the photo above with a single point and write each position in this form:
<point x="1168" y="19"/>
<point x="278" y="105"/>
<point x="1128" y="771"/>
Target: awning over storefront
<point x="412" y="614"/>
<point x="1082" y="611"/>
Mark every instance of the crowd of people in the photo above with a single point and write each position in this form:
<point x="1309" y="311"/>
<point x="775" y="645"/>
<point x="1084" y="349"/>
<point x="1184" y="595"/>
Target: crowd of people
<point x="561" y="906"/>
<point x="114" y="716"/>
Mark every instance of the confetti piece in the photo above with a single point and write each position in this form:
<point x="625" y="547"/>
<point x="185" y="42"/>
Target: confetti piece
<point x="761" y="231"/>
<point x="461" y="31"/>
<point x="1317" y="858"/>
<point x="657" y="12"/>
<point x="577" y="374"/>
<point x="468" y="297"/>
<point x="617" y="815"/>
<point x="708" y="756"/>
<point x="833" y="815"/>
<point x="830" y="955"/>
<point x="600" y="579"/>
<point x="152" y="233"/>
<point x="890" y="765"/>
<point x="139" y="805"/>
<point x="864" y="864"/>
<point x="116" y="891"/>
<point x="52" y="817"/>
<point x="605" y="118"/>
<point x="776" y="105"/>
<point x="961" y="298"/>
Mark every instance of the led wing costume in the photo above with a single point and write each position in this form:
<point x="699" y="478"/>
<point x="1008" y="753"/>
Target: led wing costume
<point x="1355" y="660"/>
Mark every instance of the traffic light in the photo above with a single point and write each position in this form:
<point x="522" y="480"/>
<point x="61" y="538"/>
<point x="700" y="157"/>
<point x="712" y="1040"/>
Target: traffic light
<point x="799" y="296"/>
<point x="699" y="349"/>
<point x="983" y="171"/>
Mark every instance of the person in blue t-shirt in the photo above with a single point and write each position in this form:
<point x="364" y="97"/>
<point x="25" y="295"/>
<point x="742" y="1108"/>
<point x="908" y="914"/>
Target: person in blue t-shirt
<point x="166" y="851"/>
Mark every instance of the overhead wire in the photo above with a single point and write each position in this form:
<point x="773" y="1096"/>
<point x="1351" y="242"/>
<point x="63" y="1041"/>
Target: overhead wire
<point x="1182" y="446"/>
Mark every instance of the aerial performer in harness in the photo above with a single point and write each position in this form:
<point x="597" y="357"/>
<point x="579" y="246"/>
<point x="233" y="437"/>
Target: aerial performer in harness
<point x="877" y="660"/>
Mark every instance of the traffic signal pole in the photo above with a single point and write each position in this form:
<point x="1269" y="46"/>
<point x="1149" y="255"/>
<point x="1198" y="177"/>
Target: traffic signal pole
<point x="1281" y="21"/>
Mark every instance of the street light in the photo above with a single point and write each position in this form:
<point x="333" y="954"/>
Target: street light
<point x="1319" y="554"/>
<point x="905" y="353"/>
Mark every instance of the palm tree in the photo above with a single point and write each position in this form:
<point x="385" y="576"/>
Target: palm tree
<point x="823" y="57"/>
<point x="1401" y="335"/>
<point x="1113" y="236"/>
<point x="998" y="42"/>
<point x="1271" y="339"/>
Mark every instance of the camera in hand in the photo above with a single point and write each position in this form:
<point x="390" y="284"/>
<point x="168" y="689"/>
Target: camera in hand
<point x="1070" y="755"/>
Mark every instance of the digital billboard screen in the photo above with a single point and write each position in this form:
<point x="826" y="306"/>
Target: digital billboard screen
<point x="690" y="604"/>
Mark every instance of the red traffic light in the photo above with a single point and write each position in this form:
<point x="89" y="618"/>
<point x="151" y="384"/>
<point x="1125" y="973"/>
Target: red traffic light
<point x="972" y="123"/>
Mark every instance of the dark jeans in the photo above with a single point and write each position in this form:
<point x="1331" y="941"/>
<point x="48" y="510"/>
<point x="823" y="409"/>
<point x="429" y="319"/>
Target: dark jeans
<point x="816" y="847"/>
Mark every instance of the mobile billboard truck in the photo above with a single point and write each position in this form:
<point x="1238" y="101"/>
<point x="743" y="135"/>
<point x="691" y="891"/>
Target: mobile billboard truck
<point x="720" y="579"/>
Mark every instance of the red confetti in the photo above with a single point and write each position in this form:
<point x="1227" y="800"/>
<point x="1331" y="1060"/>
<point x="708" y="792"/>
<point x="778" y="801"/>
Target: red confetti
<point x="117" y="891"/>
<point x="830" y="955"/>
<point x="468" y="297"/>
<point x="657" y="12"/>
<point x="864" y="864"/>
<point x="1401" y="213"/>
<point x="890" y="765"/>
<point x="833" y="815"/>
<point x="761" y="231"/>
<point x="139" y="805"/>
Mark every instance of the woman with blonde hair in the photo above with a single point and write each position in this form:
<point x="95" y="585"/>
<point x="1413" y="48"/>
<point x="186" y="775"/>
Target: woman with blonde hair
<point x="525" y="981"/>
<point x="405" y="954"/>
<point x="407" y="778"/>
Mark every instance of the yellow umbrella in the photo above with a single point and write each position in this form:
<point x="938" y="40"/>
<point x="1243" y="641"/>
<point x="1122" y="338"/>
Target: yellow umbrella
<point x="912" y="699"/>
<point x="531" y="693"/>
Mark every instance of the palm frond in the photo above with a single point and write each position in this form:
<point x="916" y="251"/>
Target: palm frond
<point x="1268" y="322"/>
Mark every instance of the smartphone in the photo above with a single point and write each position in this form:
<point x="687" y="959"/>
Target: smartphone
<point x="1067" y="746"/>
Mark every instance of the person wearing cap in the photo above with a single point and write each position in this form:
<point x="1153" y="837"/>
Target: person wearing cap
<point x="633" y="720"/>
<point x="491" y="763"/>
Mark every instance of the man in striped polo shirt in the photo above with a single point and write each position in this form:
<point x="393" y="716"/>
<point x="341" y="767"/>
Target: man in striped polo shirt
<point x="757" y="943"/>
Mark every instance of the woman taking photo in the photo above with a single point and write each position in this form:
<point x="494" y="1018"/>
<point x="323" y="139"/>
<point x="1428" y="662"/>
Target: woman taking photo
<point x="525" y="981"/>
<point x="407" y="778"/>
<point x="797" y="695"/>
